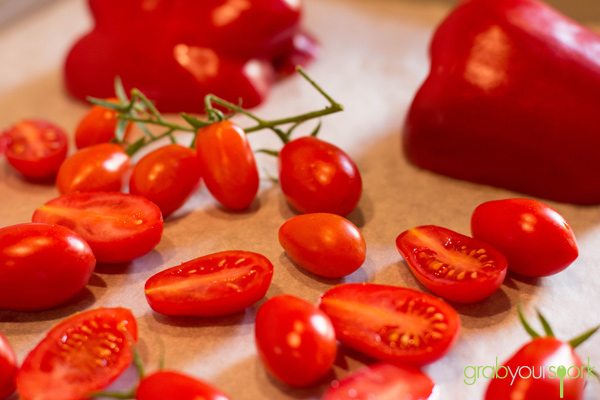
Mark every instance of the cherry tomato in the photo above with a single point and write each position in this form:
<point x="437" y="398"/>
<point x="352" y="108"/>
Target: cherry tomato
<point x="42" y="266"/>
<point x="82" y="354"/>
<point x="536" y="240"/>
<point x="98" y="168"/>
<point x="166" y="176"/>
<point x="118" y="227"/>
<point x="383" y="381"/>
<point x="391" y="323"/>
<point x="98" y="126"/>
<point x="227" y="164"/>
<point x="325" y="244"/>
<point x="316" y="176"/>
<point x="217" y="284"/>
<point x="164" y="385"/>
<point x="8" y="368"/>
<point x="295" y="340"/>
<point x="453" y="266"/>
<point x="36" y="148"/>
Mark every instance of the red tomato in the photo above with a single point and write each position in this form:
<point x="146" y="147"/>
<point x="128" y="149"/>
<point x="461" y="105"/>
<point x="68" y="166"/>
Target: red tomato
<point x="316" y="176"/>
<point x="164" y="385"/>
<point x="383" y="381"/>
<point x="97" y="126"/>
<point x="453" y="266"/>
<point x="167" y="177"/>
<point x="295" y="340"/>
<point x="42" y="266"/>
<point x="36" y="148"/>
<point x="118" y="227"/>
<point x="391" y="323"/>
<point x="217" y="284"/>
<point x="325" y="244"/>
<point x="8" y="368"/>
<point x="82" y="354"/>
<point x="536" y="240"/>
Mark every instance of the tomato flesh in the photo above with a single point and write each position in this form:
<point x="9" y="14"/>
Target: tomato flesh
<point x="98" y="126"/>
<point x="163" y="385"/>
<point x="8" y="368"/>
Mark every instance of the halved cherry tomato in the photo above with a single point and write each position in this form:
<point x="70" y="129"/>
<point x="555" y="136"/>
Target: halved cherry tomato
<point x="36" y="148"/>
<point x="325" y="244"/>
<point x="217" y="284"/>
<point x="42" y="266"/>
<point x="98" y="126"/>
<point x="453" y="266"/>
<point x="536" y="240"/>
<point x="227" y="164"/>
<point x="8" y="368"/>
<point x="163" y="385"/>
<point x="119" y="227"/>
<point x="166" y="176"/>
<point x="82" y="354"/>
<point x="391" y="323"/>
<point x="98" y="168"/>
<point x="295" y="340"/>
<point x="316" y="176"/>
<point x="383" y="381"/>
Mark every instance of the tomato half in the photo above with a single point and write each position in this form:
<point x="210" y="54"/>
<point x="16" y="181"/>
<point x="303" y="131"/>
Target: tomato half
<point x="36" y="148"/>
<point x="453" y="266"/>
<point x="325" y="244"/>
<point x="227" y="164"/>
<point x="316" y="176"/>
<point x="119" y="227"/>
<point x="8" y="368"/>
<point x="164" y="385"/>
<point x="391" y="323"/>
<point x="295" y="340"/>
<point x="536" y="240"/>
<point x="82" y="354"/>
<point x="98" y="126"/>
<point x="217" y="284"/>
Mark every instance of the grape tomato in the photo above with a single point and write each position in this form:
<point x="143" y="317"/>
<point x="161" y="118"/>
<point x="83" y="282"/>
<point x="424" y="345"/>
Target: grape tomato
<point x="8" y="368"/>
<point x="162" y="385"/>
<point x="98" y="126"/>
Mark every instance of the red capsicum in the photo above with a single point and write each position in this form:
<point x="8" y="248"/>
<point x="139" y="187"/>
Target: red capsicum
<point x="511" y="101"/>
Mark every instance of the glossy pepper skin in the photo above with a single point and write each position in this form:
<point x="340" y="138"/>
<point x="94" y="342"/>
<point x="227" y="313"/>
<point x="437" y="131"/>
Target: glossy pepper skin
<point x="511" y="101"/>
<point x="177" y="51"/>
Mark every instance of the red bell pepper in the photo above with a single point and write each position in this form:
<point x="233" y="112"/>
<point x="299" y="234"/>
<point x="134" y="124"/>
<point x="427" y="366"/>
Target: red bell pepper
<point x="512" y="100"/>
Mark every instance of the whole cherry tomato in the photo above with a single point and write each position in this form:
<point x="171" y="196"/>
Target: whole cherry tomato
<point x="227" y="164"/>
<point x="325" y="244"/>
<point x="36" y="148"/>
<point x="98" y="168"/>
<point x="216" y="284"/>
<point x="316" y="176"/>
<point x="97" y="126"/>
<point x="82" y="354"/>
<point x="391" y="323"/>
<point x="8" y="368"/>
<point x="164" y="385"/>
<point x="166" y="176"/>
<point x="536" y="240"/>
<point x="119" y="227"/>
<point x="42" y="266"/>
<point x="453" y="266"/>
<point x="295" y="340"/>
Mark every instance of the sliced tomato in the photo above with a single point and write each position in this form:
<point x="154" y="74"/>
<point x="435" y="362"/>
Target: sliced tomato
<point x="391" y="323"/>
<point x="8" y="368"/>
<point x="453" y="266"/>
<point x="164" y="385"/>
<point x="119" y="227"/>
<point x="82" y="354"/>
<point x="216" y="284"/>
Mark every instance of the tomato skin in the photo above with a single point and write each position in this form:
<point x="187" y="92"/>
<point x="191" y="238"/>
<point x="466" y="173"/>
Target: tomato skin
<point x="325" y="244"/>
<point x="371" y="318"/>
<point x="119" y="227"/>
<point x="82" y="354"/>
<point x="536" y="240"/>
<point x="98" y="126"/>
<point x="163" y="385"/>
<point x="316" y="176"/>
<point x="8" y="368"/>
<point x="214" y="285"/>
<point x="295" y="340"/>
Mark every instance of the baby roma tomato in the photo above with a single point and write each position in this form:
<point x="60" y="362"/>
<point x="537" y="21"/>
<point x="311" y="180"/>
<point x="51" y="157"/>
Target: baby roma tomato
<point x="82" y="354"/>
<point x="217" y="284"/>
<point x="98" y="126"/>
<point x="42" y="266"/>
<point x="391" y="323"/>
<point x="316" y="176"/>
<point x="164" y="385"/>
<point x="295" y="340"/>
<point x="227" y="164"/>
<point x="453" y="266"/>
<point x="35" y="148"/>
<point x="118" y="227"/>
<point x="536" y="240"/>
<point x="325" y="244"/>
<point x="8" y="368"/>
